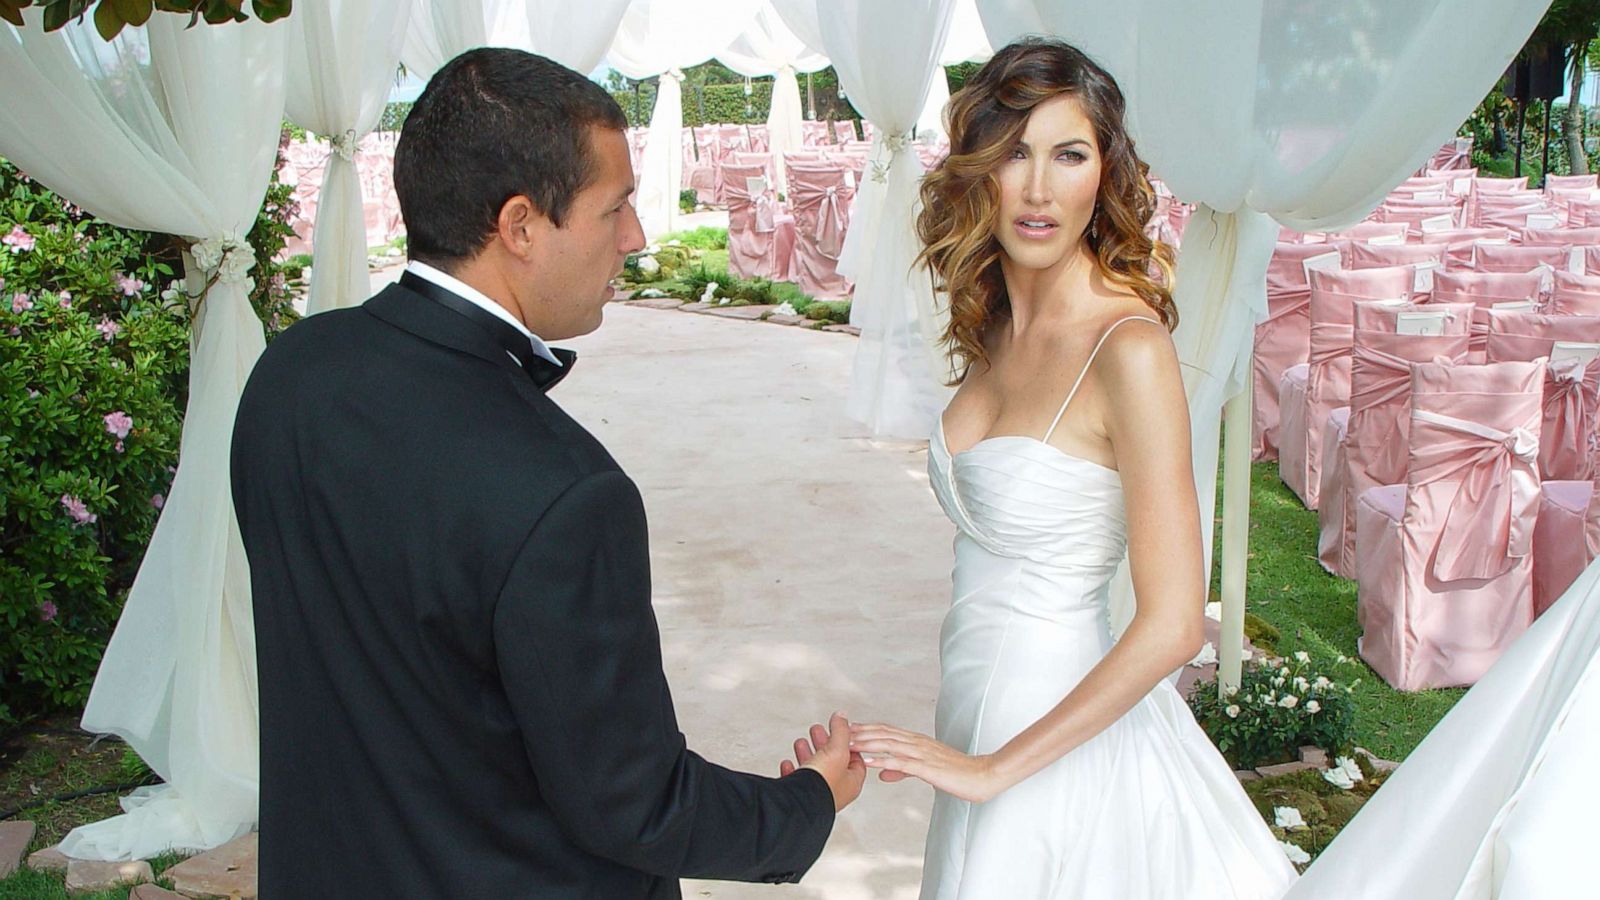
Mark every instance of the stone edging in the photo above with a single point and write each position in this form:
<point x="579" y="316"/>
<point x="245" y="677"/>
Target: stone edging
<point x="743" y="313"/>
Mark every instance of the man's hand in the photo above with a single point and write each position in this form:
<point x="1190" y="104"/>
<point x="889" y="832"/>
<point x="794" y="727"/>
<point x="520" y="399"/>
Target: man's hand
<point x="828" y="753"/>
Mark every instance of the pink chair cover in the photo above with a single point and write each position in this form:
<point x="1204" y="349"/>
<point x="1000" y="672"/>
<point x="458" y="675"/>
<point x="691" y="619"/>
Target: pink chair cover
<point x="1378" y="256"/>
<point x="813" y="133"/>
<point x="1583" y="213"/>
<point x="819" y="198"/>
<point x="1501" y="185"/>
<point x="1327" y="386"/>
<point x="1512" y="258"/>
<point x="1575" y="295"/>
<point x="1571" y="403"/>
<point x="1484" y="290"/>
<point x="1446" y="567"/>
<point x="1364" y="231"/>
<point x="1455" y="154"/>
<point x="752" y="226"/>
<point x="1283" y="340"/>
<point x="1559" y="237"/>
<point x="1564" y="543"/>
<point x="1370" y="449"/>
<point x="1569" y="182"/>
<point x="844" y="130"/>
<point x="1413" y="216"/>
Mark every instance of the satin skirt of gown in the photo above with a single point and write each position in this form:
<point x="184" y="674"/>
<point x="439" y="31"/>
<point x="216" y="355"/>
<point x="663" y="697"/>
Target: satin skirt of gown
<point x="1145" y="810"/>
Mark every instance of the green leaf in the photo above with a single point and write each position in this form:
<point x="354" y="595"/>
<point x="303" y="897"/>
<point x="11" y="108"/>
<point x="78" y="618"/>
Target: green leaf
<point x="56" y="14"/>
<point x="134" y="12"/>
<point x="106" y="20"/>
<point x="11" y="11"/>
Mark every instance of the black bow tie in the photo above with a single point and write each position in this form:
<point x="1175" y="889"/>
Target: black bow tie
<point x="545" y="374"/>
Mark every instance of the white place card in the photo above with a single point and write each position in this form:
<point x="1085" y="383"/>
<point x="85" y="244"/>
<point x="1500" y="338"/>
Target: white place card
<point x="1544" y="220"/>
<point x="1322" y="262"/>
<point x="1564" y="350"/>
<point x="1431" y="323"/>
<point x="1514" y="306"/>
<point x="1575" y="260"/>
<point x="1461" y="187"/>
<point x="1428" y="195"/>
<point x="1422" y="277"/>
<point x="756" y="185"/>
<point x="849" y="179"/>
<point x="1389" y="239"/>
<point x="1441" y="222"/>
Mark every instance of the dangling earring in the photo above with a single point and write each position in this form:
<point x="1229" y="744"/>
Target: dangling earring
<point x="1094" y="223"/>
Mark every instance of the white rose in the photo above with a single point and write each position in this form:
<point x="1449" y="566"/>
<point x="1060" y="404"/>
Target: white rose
<point x="1302" y="684"/>
<point x="1287" y="817"/>
<point x="1232" y="710"/>
<point x="1288" y="701"/>
<point x="207" y="254"/>
<point x="1296" y="855"/>
<point x="648" y="265"/>
<point x="1214" y="611"/>
<point x="1302" y="656"/>
<point x="1322" y="681"/>
<point x="1277" y="682"/>
<point x="1206" y="657"/>
<point x="1313" y="707"/>
<point x="1349" y="767"/>
<point x="784" y="309"/>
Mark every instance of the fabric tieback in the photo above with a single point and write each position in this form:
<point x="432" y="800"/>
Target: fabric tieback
<point x="1489" y="524"/>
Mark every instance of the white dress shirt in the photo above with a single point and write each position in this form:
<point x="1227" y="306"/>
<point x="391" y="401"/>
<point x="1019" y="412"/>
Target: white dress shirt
<point x="478" y="298"/>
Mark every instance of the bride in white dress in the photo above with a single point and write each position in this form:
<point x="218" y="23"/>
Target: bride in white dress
<point x="1067" y="766"/>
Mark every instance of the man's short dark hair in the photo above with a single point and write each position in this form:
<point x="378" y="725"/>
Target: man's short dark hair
<point x="492" y="124"/>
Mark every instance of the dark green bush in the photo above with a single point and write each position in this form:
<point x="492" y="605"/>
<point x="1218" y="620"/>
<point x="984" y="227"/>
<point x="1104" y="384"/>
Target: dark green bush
<point x="1277" y="709"/>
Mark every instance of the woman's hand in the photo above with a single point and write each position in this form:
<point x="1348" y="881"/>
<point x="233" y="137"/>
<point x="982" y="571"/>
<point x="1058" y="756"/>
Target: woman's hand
<point x="898" y="753"/>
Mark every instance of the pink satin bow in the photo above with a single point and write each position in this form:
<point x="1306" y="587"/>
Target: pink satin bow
<point x="1490" y="521"/>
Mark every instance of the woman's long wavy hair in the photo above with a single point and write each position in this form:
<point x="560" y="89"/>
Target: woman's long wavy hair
<point x="961" y="198"/>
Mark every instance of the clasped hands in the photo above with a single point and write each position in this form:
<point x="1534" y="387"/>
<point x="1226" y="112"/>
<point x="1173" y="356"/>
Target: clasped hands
<point x="842" y="753"/>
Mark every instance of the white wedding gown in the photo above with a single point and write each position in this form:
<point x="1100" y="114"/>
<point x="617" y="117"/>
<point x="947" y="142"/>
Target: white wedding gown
<point x="1145" y="810"/>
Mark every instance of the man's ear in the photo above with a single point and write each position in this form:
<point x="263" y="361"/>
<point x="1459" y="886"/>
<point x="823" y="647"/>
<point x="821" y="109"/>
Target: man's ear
<point x="519" y="226"/>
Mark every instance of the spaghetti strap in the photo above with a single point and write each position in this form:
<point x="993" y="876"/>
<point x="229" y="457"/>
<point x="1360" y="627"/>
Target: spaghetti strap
<point x="1074" y="392"/>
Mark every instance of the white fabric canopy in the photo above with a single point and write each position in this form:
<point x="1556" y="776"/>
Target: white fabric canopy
<point x="573" y="34"/>
<point x="169" y="129"/>
<point x="342" y="59"/>
<point x="769" y="47"/>
<point x="897" y="383"/>
<point x="1308" y="115"/>
<point x="1496" y="801"/>
<point x="662" y="37"/>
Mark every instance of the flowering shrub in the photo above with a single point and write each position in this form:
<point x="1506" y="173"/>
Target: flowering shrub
<point x="94" y="367"/>
<point x="1278" y="707"/>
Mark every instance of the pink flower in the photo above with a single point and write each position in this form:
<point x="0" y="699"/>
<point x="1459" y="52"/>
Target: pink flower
<point x="15" y="331"/>
<point x="21" y="302"/>
<point x="158" y="501"/>
<point x="18" y="240"/>
<point x="119" y="446"/>
<point x="77" y="510"/>
<point x="47" y="611"/>
<point x="66" y="299"/>
<point x="107" y="328"/>
<point x="127" y="284"/>
<point x="119" y="424"/>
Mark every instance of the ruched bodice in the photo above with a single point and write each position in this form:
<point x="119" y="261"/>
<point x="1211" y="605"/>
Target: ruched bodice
<point x="1017" y="496"/>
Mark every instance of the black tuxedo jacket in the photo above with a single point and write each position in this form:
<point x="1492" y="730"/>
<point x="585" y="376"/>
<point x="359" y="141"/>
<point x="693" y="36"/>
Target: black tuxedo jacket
<point x="460" y="671"/>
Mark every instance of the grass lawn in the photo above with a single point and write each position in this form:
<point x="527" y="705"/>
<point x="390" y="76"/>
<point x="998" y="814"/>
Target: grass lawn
<point x="1316" y="612"/>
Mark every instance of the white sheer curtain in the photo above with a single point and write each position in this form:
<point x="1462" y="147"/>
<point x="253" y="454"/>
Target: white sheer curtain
<point x="1307" y="114"/>
<point x="662" y="37"/>
<point x="769" y="47"/>
<point x="442" y="29"/>
<point x="897" y="381"/>
<point x="342" y="59"/>
<point x="170" y="129"/>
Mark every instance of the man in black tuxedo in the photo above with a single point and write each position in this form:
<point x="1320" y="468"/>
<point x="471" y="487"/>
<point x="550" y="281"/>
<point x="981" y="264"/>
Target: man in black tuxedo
<point x="460" y="671"/>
